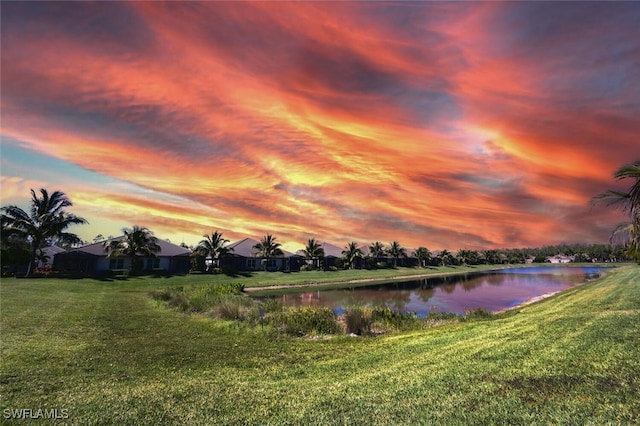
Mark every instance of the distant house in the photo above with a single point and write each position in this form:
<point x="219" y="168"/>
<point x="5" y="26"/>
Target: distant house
<point x="560" y="258"/>
<point x="331" y="254"/>
<point x="92" y="260"/>
<point x="244" y="257"/>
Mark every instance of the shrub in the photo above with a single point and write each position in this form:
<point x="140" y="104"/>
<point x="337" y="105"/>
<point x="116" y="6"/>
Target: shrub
<point x="234" y="308"/>
<point x="477" y="313"/>
<point x="270" y="305"/>
<point x="395" y="320"/>
<point x="179" y="301"/>
<point x="163" y="295"/>
<point x="197" y="299"/>
<point x="175" y="298"/>
<point x="382" y="319"/>
<point x="227" y="310"/>
<point x="359" y="320"/>
<point x="434" y="319"/>
<point x="370" y="263"/>
<point x="198" y="262"/>
<point x="228" y="288"/>
<point x="308" y="320"/>
<point x="45" y="270"/>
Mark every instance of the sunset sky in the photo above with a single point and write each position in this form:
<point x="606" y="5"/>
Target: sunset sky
<point x="443" y="124"/>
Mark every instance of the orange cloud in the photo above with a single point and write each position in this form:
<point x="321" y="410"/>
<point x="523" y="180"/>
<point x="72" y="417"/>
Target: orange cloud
<point x="439" y="124"/>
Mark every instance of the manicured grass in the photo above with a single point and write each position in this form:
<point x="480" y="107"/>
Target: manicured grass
<point x="109" y="354"/>
<point x="257" y="279"/>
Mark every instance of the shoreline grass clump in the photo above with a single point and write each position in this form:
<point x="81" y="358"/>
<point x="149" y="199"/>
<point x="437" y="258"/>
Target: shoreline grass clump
<point x="478" y="313"/>
<point x="234" y="308"/>
<point x="199" y="298"/>
<point x="378" y="320"/>
<point x="359" y="320"/>
<point x="305" y="321"/>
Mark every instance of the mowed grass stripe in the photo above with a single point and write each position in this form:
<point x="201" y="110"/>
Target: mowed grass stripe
<point x="110" y="355"/>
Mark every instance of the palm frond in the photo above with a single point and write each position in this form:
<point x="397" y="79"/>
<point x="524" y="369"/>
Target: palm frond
<point x="611" y="197"/>
<point x="628" y="171"/>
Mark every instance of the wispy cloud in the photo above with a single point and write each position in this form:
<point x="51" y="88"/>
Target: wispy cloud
<point x="438" y="124"/>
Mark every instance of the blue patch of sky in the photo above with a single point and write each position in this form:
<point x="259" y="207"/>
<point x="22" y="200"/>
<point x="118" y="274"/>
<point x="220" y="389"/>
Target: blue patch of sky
<point x="31" y="165"/>
<point x="488" y="182"/>
<point x="24" y="163"/>
<point x="434" y="108"/>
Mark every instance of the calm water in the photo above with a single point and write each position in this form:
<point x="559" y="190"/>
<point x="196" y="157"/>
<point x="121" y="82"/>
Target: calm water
<point x="494" y="291"/>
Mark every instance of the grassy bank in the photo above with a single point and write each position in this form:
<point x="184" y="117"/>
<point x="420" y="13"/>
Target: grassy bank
<point x="107" y="353"/>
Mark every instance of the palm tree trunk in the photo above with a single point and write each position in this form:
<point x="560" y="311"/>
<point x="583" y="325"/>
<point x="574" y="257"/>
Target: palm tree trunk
<point x="32" y="261"/>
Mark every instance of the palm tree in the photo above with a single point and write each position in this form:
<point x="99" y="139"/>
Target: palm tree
<point x="630" y="203"/>
<point x="376" y="250"/>
<point x="628" y="235"/>
<point x="313" y="251"/>
<point x="267" y="248"/>
<point x="467" y="257"/>
<point x="137" y="242"/>
<point x="396" y="251"/>
<point x="423" y="254"/>
<point x="351" y="253"/>
<point x="213" y="245"/>
<point x="445" y="257"/>
<point x="45" y="224"/>
<point x="492" y="257"/>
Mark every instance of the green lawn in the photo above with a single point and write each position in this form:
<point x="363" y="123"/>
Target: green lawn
<point x="266" y="279"/>
<point x="108" y="354"/>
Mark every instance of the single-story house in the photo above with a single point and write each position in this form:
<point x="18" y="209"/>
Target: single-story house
<point x="92" y="259"/>
<point x="244" y="257"/>
<point x="49" y="254"/>
<point x="331" y="254"/>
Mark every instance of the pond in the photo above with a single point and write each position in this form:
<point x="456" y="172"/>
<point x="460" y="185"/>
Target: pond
<point x="491" y="290"/>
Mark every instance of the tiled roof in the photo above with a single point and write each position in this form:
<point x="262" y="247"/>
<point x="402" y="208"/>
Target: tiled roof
<point x="331" y="250"/>
<point x="52" y="251"/>
<point x="245" y="248"/>
<point x="166" y="248"/>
